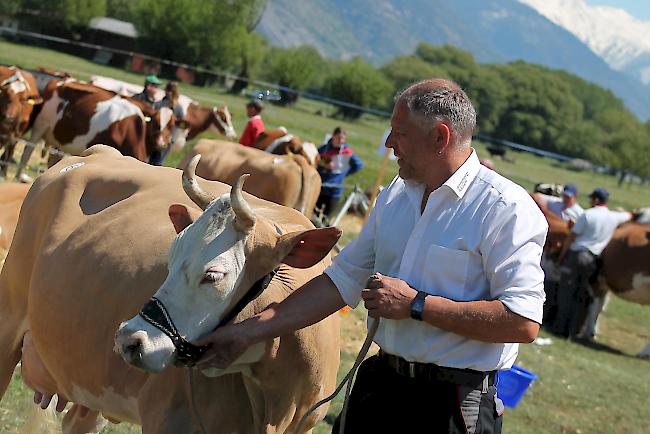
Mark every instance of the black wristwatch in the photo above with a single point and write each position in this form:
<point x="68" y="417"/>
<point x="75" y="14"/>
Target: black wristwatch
<point x="417" y="305"/>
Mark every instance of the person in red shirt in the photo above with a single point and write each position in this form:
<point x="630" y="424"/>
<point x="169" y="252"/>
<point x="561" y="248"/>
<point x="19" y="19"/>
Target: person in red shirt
<point x="255" y="125"/>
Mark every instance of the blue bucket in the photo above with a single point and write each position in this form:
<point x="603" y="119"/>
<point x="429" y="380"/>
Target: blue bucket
<point x="512" y="385"/>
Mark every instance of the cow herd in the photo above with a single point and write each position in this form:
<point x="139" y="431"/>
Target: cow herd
<point x="104" y="223"/>
<point x="101" y="233"/>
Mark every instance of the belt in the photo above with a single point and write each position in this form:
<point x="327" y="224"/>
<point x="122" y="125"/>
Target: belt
<point x="434" y="373"/>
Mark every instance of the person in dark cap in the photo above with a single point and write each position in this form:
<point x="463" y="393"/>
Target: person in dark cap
<point x="567" y="206"/>
<point x="589" y="237"/>
<point x="148" y="94"/>
<point x="255" y="125"/>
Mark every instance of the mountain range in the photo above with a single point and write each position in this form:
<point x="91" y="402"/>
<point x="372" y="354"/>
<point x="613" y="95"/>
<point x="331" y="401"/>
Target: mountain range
<point x="494" y="31"/>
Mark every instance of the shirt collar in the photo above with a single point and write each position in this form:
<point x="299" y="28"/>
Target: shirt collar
<point x="256" y="117"/>
<point x="460" y="181"/>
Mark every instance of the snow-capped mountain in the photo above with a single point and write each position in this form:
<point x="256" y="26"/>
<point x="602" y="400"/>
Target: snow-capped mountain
<point x="620" y="39"/>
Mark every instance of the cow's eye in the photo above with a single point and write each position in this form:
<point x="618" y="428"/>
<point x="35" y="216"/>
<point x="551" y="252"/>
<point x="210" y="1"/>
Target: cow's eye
<point x="213" y="277"/>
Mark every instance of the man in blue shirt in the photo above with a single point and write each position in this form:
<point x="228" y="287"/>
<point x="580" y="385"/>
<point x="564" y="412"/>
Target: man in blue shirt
<point x="337" y="160"/>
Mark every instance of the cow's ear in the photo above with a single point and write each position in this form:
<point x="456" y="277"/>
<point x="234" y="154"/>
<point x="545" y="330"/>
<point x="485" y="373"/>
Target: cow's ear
<point x="182" y="216"/>
<point x="305" y="249"/>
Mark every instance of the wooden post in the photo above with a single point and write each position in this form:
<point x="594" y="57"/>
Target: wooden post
<point x="380" y="178"/>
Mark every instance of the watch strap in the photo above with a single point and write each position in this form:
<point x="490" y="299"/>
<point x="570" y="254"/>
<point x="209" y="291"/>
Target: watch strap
<point x="417" y="305"/>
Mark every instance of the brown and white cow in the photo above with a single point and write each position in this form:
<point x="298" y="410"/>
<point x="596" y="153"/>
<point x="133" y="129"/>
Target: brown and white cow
<point x="92" y="246"/>
<point x="625" y="267"/>
<point x="196" y="118"/>
<point x="18" y="96"/>
<point x="284" y="179"/>
<point x="280" y="142"/>
<point x="77" y="115"/>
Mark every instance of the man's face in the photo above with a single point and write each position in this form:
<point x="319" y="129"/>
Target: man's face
<point x="412" y="144"/>
<point x="251" y="111"/>
<point x="568" y="201"/>
<point x="151" y="90"/>
<point x="338" y="139"/>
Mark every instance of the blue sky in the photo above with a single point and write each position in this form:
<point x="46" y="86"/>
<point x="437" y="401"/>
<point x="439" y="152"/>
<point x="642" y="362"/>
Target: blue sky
<point x="637" y="8"/>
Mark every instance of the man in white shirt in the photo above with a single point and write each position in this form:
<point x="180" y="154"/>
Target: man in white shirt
<point x="589" y="237"/>
<point x="455" y="250"/>
<point x="567" y="206"/>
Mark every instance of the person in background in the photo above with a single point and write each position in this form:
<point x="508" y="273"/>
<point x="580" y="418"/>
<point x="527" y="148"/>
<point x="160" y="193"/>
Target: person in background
<point x="148" y="94"/>
<point x="337" y="160"/>
<point x="566" y="207"/>
<point x="170" y="100"/>
<point x="255" y="124"/>
<point x="589" y="237"/>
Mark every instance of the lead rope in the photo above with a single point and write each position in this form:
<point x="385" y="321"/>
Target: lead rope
<point x="347" y="379"/>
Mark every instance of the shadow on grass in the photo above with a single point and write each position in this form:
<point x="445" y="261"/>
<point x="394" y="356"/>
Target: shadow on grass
<point x="599" y="346"/>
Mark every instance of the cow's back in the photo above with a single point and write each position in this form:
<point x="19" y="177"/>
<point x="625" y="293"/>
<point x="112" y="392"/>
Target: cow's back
<point x="90" y="248"/>
<point x="276" y="178"/>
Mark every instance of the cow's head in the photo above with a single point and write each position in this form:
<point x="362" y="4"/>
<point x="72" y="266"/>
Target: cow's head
<point x="221" y="119"/>
<point x="15" y="106"/>
<point x="160" y="125"/>
<point x="215" y="259"/>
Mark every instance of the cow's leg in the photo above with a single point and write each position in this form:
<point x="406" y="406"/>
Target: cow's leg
<point x="11" y="333"/>
<point x="81" y="420"/>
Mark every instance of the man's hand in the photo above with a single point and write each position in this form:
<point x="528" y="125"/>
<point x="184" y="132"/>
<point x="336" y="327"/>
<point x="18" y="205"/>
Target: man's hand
<point x="227" y="343"/>
<point x="388" y="297"/>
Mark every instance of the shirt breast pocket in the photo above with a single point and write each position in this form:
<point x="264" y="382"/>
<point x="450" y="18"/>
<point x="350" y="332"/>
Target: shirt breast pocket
<point x="446" y="272"/>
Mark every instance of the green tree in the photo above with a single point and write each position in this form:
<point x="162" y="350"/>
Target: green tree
<point x="540" y="106"/>
<point x="403" y="71"/>
<point x="359" y="83"/>
<point x="68" y="14"/>
<point x="198" y="32"/>
<point x="295" y="68"/>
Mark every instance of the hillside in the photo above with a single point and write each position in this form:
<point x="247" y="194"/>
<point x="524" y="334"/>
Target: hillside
<point x="495" y="31"/>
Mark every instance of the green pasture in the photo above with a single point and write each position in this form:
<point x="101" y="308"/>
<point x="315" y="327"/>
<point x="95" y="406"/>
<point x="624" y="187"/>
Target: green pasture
<point x="582" y="388"/>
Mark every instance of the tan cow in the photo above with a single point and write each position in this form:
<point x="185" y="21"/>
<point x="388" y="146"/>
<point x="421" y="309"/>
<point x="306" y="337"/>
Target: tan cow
<point x="18" y="96"/>
<point x="11" y="198"/>
<point x="283" y="179"/>
<point x="92" y="247"/>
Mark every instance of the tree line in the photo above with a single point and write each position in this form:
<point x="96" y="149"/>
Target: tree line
<point x="521" y="102"/>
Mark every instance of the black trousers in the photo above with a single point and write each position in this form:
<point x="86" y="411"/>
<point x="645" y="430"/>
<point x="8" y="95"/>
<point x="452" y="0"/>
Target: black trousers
<point x="383" y="401"/>
<point x="330" y="203"/>
<point x="574" y="292"/>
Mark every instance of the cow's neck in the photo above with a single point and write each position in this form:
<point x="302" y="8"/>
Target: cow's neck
<point x="202" y="121"/>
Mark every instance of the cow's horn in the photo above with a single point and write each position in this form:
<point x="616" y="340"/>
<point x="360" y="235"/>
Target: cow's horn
<point x="191" y="186"/>
<point x="244" y="215"/>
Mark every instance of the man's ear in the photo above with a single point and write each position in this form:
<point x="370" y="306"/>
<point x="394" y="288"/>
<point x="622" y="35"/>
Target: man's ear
<point x="182" y="216"/>
<point x="442" y="136"/>
<point x="304" y="249"/>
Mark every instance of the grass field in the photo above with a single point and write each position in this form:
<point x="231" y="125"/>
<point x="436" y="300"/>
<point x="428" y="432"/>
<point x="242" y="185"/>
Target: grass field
<point x="597" y="388"/>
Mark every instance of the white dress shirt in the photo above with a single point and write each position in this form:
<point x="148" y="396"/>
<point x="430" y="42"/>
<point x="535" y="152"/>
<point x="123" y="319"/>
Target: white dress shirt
<point x="556" y="206"/>
<point x="596" y="227"/>
<point x="480" y="238"/>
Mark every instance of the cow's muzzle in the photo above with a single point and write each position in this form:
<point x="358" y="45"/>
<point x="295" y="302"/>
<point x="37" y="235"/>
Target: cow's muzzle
<point x="155" y="313"/>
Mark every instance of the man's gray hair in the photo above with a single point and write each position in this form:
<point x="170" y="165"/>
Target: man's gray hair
<point x="441" y="100"/>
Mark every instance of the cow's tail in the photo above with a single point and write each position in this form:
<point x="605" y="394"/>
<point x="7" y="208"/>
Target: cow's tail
<point x="40" y="421"/>
<point x="310" y="186"/>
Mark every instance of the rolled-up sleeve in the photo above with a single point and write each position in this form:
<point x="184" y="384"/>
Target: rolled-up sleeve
<point x="351" y="268"/>
<point x="512" y="250"/>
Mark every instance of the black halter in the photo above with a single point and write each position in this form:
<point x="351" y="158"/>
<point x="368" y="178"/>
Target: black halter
<point x="187" y="354"/>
